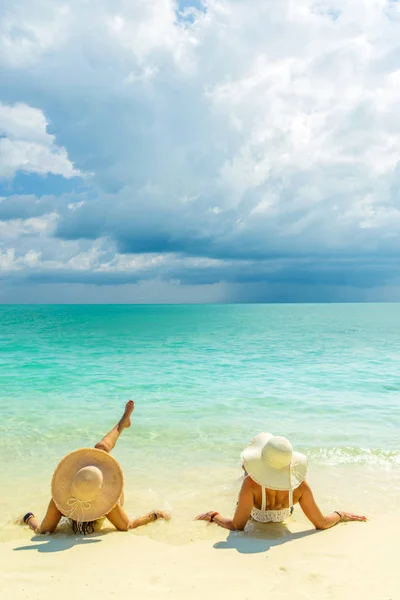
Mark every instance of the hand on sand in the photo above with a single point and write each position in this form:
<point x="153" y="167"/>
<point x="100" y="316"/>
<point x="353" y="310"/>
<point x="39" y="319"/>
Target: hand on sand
<point x="205" y="516"/>
<point x="162" y="514"/>
<point x="347" y="516"/>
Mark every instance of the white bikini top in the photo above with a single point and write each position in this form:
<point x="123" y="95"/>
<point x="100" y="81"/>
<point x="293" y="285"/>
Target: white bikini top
<point x="271" y="516"/>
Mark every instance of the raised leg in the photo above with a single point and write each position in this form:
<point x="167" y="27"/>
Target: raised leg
<point x="110" y="439"/>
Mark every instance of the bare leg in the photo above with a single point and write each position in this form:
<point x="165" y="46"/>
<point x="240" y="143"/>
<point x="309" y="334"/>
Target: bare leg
<point x="110" y="439"/>
<point x="50" y="521"/>
<point x="122" y="522"/>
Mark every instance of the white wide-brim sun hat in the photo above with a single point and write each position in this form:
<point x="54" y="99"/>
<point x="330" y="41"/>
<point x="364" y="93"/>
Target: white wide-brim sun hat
<point x="87" y="484"/>
<point x="272" y="463"/>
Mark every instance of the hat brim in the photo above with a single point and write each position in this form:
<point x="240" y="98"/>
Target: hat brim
<point x="275" y="479"/>
<point x="109" y="495"/>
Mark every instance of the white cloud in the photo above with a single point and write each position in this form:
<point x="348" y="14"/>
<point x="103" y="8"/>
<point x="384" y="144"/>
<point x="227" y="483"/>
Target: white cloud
<point x="36" y="226"/>
<point x="84" y="261"/>
<point x="238" y="134"/>
<point x="26" y="145"/>
<point x="30" y="157"/>
<point x="10" y="262"/>
<point x="30" y="29"/>
<point x="24" y="122"/>
<point x="142" y="26"/>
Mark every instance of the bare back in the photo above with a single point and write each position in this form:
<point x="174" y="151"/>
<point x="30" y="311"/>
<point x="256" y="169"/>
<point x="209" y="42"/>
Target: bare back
<point x="276" y="500"/>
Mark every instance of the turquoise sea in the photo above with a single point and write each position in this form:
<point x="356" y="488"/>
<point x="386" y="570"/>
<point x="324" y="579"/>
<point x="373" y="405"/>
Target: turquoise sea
<point x="205" y="380"/>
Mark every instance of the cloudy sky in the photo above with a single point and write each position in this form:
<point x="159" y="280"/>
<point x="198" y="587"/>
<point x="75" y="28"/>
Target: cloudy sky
<point x="216" y="151"/>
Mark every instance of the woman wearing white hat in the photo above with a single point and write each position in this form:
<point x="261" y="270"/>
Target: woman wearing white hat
<point x="274" y="482"/>
<point x="88" y="485"/>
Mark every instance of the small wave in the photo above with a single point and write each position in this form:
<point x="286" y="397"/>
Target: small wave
<point x="352" y="455"/>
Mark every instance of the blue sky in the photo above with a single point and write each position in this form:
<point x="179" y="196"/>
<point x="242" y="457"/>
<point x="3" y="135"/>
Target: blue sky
<point x="199" y="152"/>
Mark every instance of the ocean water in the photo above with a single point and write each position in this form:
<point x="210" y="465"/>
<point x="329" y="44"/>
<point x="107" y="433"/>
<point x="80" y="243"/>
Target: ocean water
<point x="205" y="380"/>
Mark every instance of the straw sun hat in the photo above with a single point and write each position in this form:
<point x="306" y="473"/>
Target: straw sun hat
<point x="87" y="484"/>
<point x="271" y="462"/>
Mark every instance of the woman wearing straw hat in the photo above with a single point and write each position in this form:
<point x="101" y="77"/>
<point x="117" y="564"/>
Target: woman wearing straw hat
<point x="275" y="481"/>
<point x="88" y="485"/>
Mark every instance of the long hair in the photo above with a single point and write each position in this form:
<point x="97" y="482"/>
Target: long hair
<point x="85" y="528"/>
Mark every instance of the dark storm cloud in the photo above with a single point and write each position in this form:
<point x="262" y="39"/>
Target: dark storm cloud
<point x="305" y="273"/>
<point x="26" y="207"/>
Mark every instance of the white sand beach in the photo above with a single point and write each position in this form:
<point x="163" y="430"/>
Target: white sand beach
<point x="351" y="561"/>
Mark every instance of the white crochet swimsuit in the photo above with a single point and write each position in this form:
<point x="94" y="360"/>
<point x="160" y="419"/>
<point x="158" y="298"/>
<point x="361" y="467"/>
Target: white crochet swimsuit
<point x="271" y="516"/>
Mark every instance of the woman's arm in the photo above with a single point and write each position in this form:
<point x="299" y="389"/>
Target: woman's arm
<point x="314" y="514"/>
<point x="242" y="513"/>
<point x="122" y="522"/>
<point x="50" y="521"/>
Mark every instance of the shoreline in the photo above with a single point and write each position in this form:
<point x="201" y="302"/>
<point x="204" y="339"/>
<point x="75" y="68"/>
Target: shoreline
<point x="352" y="560"/>
<point x="363" y="490"/>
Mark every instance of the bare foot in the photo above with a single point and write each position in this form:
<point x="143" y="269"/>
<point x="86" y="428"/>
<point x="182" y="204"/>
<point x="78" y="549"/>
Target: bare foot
<point x="125" y="421"/>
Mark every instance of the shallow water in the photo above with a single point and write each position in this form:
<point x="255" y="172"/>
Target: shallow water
<point x="205" y="379"/>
